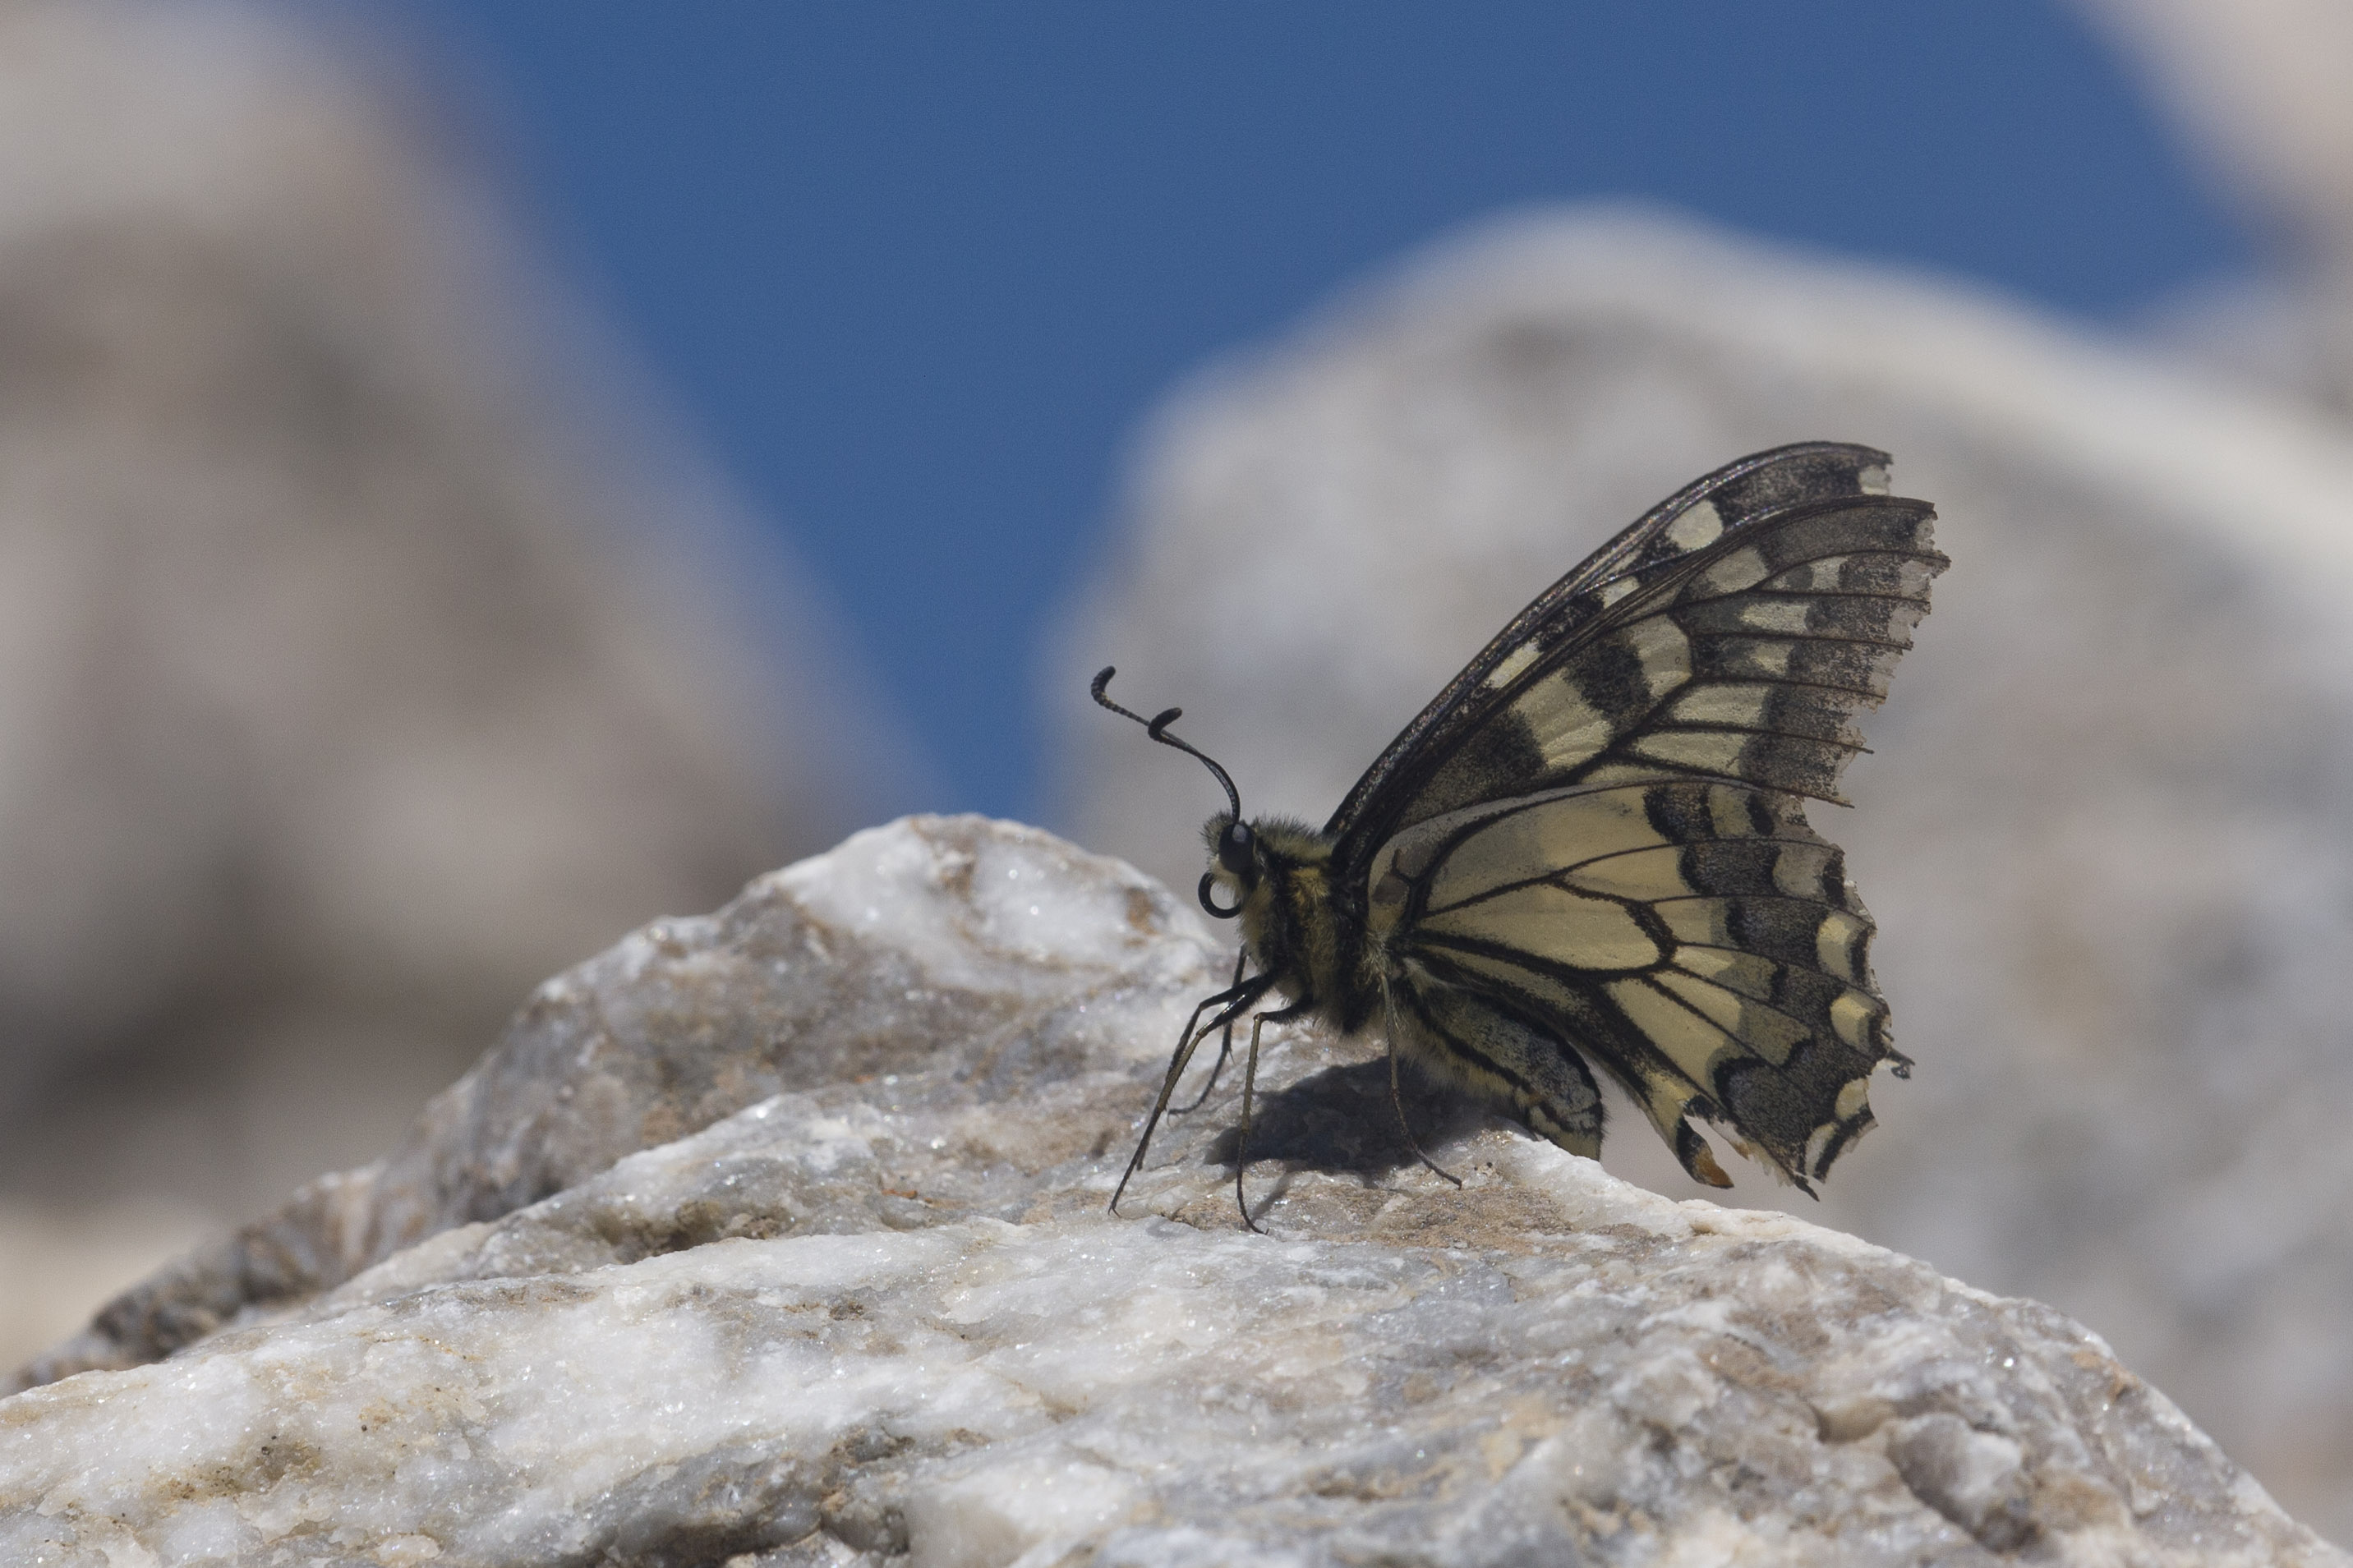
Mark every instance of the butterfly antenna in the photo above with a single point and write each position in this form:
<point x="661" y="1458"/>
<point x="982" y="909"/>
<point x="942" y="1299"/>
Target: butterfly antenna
<point x="1158" y="728"/>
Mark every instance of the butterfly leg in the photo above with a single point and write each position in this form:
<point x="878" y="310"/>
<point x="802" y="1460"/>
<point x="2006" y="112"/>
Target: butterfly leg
<point x="1396" y="1099"/>
<point x="1241" y="1148"/>
<point x="1236" y="1001"/>
<point x="1225" y="1049"/>
<point x="1249" y="1080"/>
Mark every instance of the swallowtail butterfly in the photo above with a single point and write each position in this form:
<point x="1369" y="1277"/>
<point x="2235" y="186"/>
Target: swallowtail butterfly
<point x="1592" y="847"/>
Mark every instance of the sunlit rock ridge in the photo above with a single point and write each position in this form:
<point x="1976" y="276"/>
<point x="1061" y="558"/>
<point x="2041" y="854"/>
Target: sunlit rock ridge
<point x="778" y="1236"/>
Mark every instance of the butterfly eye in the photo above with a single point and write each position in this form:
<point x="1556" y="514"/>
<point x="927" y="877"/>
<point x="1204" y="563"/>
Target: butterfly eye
<point x="1234" y="853"/>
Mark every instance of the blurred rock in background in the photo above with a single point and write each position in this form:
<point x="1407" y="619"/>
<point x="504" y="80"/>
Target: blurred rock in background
<point x="2108" y="829"/>
<point x="2261" y="85"/>
<point x="366" y="653"/>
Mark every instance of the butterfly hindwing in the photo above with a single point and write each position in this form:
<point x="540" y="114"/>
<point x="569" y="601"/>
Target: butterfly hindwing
<point x="1507" y="1054"/>
<point x="1603" y="837"/>
<point x="1697" y="938"/>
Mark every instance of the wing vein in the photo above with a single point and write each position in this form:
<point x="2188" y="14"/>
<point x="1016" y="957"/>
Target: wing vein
<point x="1746" y="634"/>
<point x="1522" y="958"/>
<point x="1760" y="592"/>
<point x="1777" y="683"/>
<point x="1553" y="874"/>
<point x="1722" y="727"/>
<point x="1692" y="771"/>
<point x="1747" y="897"/>
<point x="1926" y="557"/>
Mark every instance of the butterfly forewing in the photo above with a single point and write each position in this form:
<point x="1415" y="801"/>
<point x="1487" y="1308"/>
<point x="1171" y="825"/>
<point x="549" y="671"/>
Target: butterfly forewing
<point x="1602" y="840"/>
<point x="1743" y="661"/>
<point x="1652" y="548"/>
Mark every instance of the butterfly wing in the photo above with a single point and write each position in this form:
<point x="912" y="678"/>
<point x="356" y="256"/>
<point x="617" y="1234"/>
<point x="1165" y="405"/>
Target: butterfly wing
<point x="1658" y="544"/>
<point x="1596" y="837"/>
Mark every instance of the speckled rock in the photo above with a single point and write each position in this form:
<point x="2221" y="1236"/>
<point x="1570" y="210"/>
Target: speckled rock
<point x="871" y="1306"/>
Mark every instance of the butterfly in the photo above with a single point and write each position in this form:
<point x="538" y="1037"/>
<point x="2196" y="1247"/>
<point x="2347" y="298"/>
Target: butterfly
<point x="1591" y="850"/>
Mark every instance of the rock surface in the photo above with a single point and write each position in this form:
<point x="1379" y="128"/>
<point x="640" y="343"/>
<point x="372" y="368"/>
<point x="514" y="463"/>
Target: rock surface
<point x="854" y="1296"/>
<point x="2107" y="827"/>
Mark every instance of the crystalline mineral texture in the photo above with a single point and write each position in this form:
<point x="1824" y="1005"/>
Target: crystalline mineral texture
<point x="777" y="1236"/>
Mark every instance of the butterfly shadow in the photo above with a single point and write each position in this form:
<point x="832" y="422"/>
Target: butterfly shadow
<point x="1343" y="1120"/>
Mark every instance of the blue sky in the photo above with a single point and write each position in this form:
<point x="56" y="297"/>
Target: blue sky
<point x="916" y="270"/>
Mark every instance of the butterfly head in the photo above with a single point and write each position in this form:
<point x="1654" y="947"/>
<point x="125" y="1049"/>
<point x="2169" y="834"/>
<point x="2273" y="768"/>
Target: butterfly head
<point x="1234" y="864"/>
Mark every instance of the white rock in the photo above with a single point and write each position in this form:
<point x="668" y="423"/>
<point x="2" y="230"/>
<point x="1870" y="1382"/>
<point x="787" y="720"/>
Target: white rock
<point x="882" y="1314"/>
<point x="2107" y="831"/>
